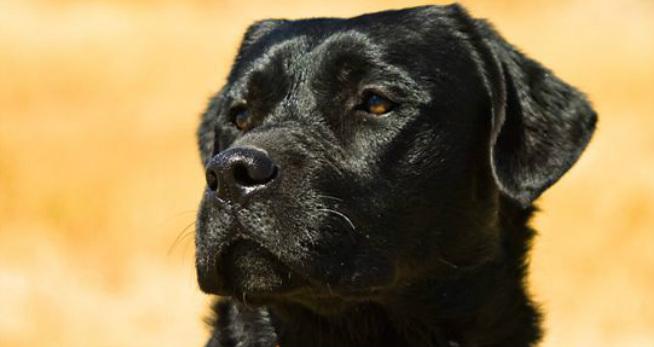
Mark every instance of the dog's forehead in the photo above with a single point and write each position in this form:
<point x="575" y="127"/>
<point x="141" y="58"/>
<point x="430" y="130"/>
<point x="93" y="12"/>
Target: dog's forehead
<point x="418" y="49"/>
<point x="303" y="56"/>
<point x="300" y="47"/>
<point x="312" y="60"/>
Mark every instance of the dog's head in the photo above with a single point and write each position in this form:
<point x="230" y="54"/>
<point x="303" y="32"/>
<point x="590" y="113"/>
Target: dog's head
<point x="346" y="157"/>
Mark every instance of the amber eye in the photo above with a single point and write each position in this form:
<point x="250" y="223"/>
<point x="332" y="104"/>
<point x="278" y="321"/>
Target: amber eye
<point x="241" y="118"/>
<point x="378" y="105"/>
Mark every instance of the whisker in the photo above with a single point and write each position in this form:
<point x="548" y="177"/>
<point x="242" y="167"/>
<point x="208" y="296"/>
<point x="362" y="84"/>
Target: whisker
<point x="181" y="236"/>
<point x="448" y="263"/>
<point x="329" y="197"/>
<point x="347" y="219"/>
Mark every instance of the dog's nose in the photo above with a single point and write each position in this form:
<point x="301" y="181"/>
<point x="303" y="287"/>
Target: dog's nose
<point x="237" y="172"/>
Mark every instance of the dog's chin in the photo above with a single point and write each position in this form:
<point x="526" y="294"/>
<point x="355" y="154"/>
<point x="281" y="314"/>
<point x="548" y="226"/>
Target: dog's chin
<point x="246" y="270"/>
<point x="253" y="275"/>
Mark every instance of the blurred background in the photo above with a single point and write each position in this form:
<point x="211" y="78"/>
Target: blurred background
<point x="100" y="179"/>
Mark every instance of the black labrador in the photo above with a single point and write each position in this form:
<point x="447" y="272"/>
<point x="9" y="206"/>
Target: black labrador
<point x="370" y="180"/>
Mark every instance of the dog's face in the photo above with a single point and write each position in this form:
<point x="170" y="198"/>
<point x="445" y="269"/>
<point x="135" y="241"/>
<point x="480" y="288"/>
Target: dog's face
<point x="346" y="158"/>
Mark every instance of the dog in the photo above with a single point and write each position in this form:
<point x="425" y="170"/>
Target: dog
<point x="370" y="182"/>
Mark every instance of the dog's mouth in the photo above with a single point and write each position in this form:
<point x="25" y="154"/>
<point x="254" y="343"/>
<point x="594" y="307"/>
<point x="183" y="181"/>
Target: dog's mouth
<point x="245" y="269"/>
<point x="250" y="273"/>
<point x="254" y="276"/>
<point x="262" y="261"/>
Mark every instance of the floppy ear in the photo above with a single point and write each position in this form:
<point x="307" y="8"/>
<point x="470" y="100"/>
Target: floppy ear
<point x="540" y="124"/>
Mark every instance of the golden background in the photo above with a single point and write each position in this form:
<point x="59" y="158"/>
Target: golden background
<point x="99" y="174"/>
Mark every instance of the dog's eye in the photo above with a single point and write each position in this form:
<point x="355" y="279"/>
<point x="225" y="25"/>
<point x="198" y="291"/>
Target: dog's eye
<point x="377" y="104"/>
<point x="241" y="118"/>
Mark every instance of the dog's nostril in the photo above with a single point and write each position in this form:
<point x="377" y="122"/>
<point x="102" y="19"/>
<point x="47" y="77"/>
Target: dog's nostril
<point x="212" y="180"/>
<point x="259" y="171"/>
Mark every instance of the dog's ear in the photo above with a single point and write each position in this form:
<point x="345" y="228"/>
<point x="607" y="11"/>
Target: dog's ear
<point x="540" y="124"/>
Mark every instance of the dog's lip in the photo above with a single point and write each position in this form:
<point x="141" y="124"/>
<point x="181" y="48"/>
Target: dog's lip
<point x="239" y="233"/>
<point x="322" y="299"/>
<point x="310" y="292"/>
<point x="291" y="280"/>
<point x="308" y="295"/>
<point x="306" y="289"/>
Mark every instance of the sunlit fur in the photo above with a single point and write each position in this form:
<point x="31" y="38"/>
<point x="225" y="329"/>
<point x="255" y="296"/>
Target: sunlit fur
<point x="408" y="229"/>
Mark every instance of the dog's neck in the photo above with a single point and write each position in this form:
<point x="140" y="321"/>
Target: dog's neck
<point x="484" y="306"/>
<point x="488" y="308"/>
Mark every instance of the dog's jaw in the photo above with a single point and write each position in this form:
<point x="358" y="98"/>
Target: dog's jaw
<point x="485" y="306"/>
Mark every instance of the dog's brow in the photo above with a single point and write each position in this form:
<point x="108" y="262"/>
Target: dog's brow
<point x="270" y="76"/>
<point x="351" y="56"/>
<point x="347" y="44"/>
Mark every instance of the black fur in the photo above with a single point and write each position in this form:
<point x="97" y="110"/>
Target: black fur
<point x="406" y="229"/>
